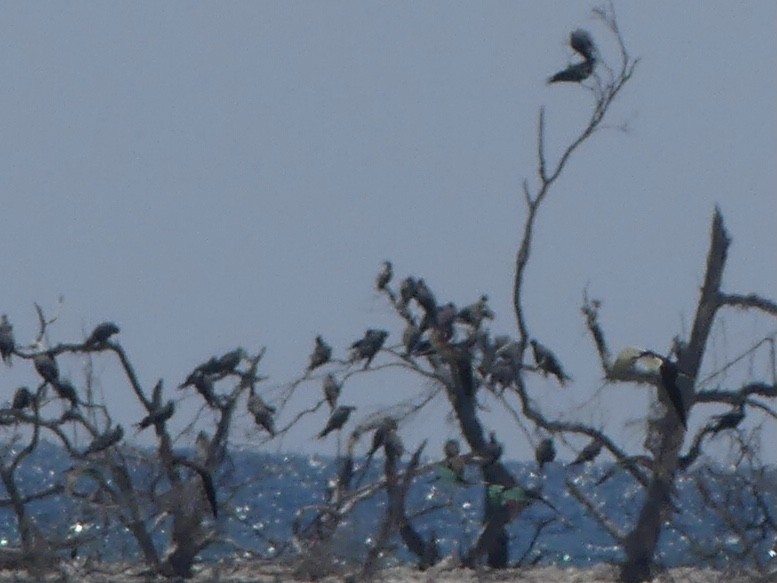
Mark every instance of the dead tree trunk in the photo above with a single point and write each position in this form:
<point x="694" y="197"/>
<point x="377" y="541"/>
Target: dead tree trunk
<point x="640" y="544"/>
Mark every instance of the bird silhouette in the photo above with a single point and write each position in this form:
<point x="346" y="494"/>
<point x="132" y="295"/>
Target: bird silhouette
<point x="105" y="440"/>
<point x="669" y="373"/>
<point x="547" y="362"/>
<point x="331" y="390"/>
<point x="588" y="453"/>
<point x="387" y="425"/>
<point x="7" y="341"/>
<point x="101" y="334"/>
<point x="474" y="314"/>
<point x="730" y="420"/>
<point x="158" y="416"/>
<point x="407" y="290"/>
<point x="46" y="365"/>
<point x="369" y="345"/>
<point x="384" y="277"/>
<point x="321" y="354"/>
<point x="545" y="452"/>
<point x="262" y="412"/>
<point x="338" y="418"/>
<point x="574" y="73"/>
<point x="582" y="43"/>
<point x="22" y="399"/>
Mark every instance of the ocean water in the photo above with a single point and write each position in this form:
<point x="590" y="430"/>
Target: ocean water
<point x="262" y="493"/>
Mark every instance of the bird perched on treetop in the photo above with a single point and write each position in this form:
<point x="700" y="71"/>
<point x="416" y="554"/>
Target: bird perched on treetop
<point x="65" y="390"/>
<point x="338" y="418"/>
<point x="321" y="354"/>
<point x="7" y="341"/>
<point x="101" y="333"/>
<point x="384" y="277"/>
<point x="547" y="362"/>
<point x="262" y="412"/>
<point x="407" y="290"/>
<point x="545" y="452"/>
<point x="369" y="345"/>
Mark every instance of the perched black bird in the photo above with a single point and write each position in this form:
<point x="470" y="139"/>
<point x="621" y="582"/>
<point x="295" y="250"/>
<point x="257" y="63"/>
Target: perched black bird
<point x="574" y="73"/>
<point x="369" y="345"/>
<point x="379" y="437"/>
<point x="451" y="448"/>
<point x="669" y="373"/>
<point x="407" y="290"/>
<point x="65" y="390"/>
<point x="410" y="337"/>
<point x="582" y="43"/>
<point x="159" y="416"/>
<point x="393" y="445"/>
<point x="264" y="418"/>
<point x="545" y="452"/>
<point x="105" y="440"/>
<point x="331" y="390"/>
<point x="229" y="361"/>
<point x="547" y="362"/>
<point x="474" y="314"/>
<point x="494" y="448"/>
<point x="338" y="418"/>
<point x="730" y="420"/>
<point x="262" y="412"/>
<point x="22" y="399"/>
<point x="101" y="334"/>
<point x="588" y="453"/>
<point x="321" y="354"/>
<point x="384" y="277"/>
<point x="7" y="341"/>
<point x="46" y="366"/>
<point x="444" y="319"/>
<point x="425" y="298"/>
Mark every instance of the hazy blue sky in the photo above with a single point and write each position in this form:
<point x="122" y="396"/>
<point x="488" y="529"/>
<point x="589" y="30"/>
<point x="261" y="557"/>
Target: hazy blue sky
<point x="211" y="175"/>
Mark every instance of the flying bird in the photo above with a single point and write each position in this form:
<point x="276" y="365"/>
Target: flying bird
<point x="574" y="73"/>
<point x="101" y="334"/>
<point x="338" y="418"/>
<point x="545" y="452"/>
<point x="331" y="390"/>
<point x="384" y="277"/>
<point x="547" y="362"/>
<point x="158" y="416"/>
<point x="22" y="399"/>
<point x="369" y="345"/>
<point x="105" y="440"/>
<point x="669" y="373"/>
<point x="322" y="352"/>
<point x="582" y="43"/>
<point x="588" y="453"/>
<point x="7" y="341"/>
